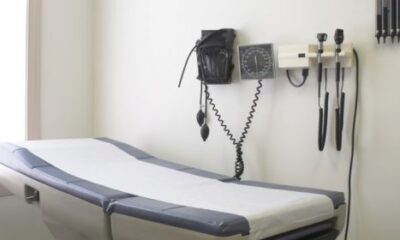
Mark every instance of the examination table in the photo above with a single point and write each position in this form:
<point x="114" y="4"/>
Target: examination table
<point x="104" y="189"/>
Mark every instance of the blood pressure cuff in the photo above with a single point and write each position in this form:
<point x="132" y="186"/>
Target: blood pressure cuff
<point x="214" y="56"/>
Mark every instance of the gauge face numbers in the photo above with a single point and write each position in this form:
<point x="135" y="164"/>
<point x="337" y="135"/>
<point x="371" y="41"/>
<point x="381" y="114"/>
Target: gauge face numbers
<point x="256" y="61"/>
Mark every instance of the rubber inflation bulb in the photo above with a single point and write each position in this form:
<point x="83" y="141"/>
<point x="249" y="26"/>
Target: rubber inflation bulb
<point x="205" y="131"/>
<point x="200" y="117"/>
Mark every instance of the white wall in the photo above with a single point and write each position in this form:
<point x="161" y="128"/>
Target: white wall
<point x="141" y="46"/>
<point x="66" y="67"/>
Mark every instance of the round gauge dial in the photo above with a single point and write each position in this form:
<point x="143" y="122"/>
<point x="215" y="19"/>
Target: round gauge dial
<point x="256" y="61"/>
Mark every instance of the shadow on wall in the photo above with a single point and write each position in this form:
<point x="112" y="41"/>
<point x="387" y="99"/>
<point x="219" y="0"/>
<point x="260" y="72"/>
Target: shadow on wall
<point x="4" y="192"/>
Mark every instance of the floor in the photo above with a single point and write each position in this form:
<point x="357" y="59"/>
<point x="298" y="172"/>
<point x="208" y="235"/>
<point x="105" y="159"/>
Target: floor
<point x="20" y="221"/>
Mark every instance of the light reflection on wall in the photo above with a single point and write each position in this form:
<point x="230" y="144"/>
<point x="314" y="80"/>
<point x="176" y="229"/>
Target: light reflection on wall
<point x="12" y="70"/>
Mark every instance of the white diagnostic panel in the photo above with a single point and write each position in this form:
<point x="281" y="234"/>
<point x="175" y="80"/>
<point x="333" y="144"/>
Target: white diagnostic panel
<point x="299" y="56"/>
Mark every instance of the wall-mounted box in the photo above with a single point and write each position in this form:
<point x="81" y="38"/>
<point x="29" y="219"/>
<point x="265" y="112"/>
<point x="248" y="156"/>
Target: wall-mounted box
<point x="299" y="56"/>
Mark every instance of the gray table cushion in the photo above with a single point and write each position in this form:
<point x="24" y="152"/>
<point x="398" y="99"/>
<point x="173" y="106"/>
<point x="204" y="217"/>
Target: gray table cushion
<point x="96" y="194"/>
<point x="145" y="157"/>
<point x="27" y="163"/>
<point x="164" y="163"/>
<point x="28" y="159"/>
<point x="200" y="220"/>
<point x="207" y="174"/>
<point x="336" y="197"/>
<point x="137" y="153"/>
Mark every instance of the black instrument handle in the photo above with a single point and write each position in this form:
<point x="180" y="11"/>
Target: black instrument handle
<point x="320" y="72"/>
<point x="323" y="123"/>
<point x="320" y="129"/>
<point x="385" y="15"/>
<point x="326" y="111"/>
<point x="398" y="18"/>
<point x="398" y="21"/>
<point x="393" y="13"/>
<point x="338" y="68"/>
<point x="378" y="33"/>
<point x="338" y="130"/>
<point x="340" y="122"/>
<point x="379" y="24"/>
<point x="342" y="106"/>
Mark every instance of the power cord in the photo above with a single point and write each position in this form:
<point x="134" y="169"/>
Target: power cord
<point x="304" y="72"/>
<point x="238" y="143"/>
<point x="353" y="136"/>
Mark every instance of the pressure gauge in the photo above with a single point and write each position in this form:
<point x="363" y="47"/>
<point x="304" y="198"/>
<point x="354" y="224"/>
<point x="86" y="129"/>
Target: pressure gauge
<point x="256" y="61"/>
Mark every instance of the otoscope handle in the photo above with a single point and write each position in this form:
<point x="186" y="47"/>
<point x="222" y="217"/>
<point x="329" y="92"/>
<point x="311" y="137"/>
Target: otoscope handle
<point x="320" y="129"/>
<point x="320" y="72"/>
<point x="338" y="71"/>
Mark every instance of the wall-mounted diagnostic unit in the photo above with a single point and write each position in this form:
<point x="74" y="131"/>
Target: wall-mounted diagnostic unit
<point x="387" y="21"/>
<point x="300" y="56"/>
<point x="337" y="56"/>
